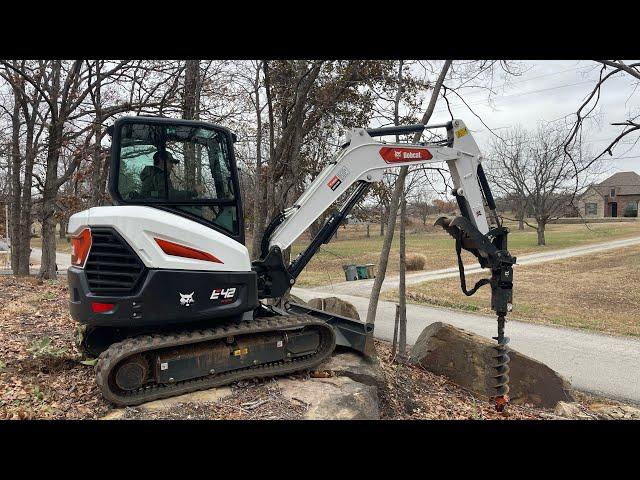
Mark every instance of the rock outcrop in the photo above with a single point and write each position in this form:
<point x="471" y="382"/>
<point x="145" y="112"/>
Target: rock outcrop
<point x="464" y="357"/>
<point x="335" y="305"/>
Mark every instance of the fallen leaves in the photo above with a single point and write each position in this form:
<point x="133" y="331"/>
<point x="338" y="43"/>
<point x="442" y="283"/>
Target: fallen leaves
<point x="414" y="393"/>
<point x="41" y="376"/>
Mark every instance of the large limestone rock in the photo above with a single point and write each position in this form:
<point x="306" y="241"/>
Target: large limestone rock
<point x="333" y="398"/>
<point x="357" y="367"/>
<point x="202" y="396"/>
<point x="464" y="357"/>
<point x="345" y="388"/>
<point x="335" y="305"/>
<point x="615" y="412"/>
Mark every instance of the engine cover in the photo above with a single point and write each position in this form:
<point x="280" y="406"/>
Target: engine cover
<point x="140" y="226"/>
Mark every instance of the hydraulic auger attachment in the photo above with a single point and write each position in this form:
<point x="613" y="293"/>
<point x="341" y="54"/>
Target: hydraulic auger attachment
<point x="491" y="251"/>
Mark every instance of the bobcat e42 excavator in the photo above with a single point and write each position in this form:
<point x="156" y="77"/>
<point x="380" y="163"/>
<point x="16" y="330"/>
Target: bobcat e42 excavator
<point x="165" y="288"/>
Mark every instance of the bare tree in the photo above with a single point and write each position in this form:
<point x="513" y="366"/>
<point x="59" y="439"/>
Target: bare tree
<point x="609" y="69"/>
<point x="536" y="168"/>
<point x="300" y="95"/>
<point x="421" y="205"/>
<point x="27" y="127"/>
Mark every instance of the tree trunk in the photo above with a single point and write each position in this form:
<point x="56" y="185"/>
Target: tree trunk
<point x="259" y="194"/>
<point x="63" y="229"/>
<point x="393" y="210"/>
<point x="383" y="218"/>
<point x="266" y="189"/>
<point x="16" y="164"/>
<point x="521" y="211"/>
<point x="49" y="194"/>
<point x="540" y="229"/>
<point x="402" y="289"/>
<point x="96" y="157"/>
<point x="25" y="214"/>
<point x="386" y="246"/>
<point x="394" y="344"/>
<point x="189" y="112"/>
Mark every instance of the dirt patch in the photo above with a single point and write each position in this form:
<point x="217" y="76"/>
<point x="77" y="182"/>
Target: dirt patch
<point x="250" y="400"/>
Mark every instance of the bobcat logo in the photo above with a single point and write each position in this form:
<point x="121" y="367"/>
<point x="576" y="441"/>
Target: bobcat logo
<point x="186" y="300"/>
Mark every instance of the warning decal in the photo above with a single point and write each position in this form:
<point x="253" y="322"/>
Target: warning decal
<point x="334" y="182"/>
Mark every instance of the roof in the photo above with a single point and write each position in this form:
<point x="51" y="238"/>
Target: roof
<point x="625" y="183"/>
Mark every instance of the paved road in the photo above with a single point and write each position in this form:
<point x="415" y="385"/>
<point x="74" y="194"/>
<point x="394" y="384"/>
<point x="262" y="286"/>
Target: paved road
<point x="363" y="287"/>
<point x="596" y="363"/>
<point x="63" y="260"/>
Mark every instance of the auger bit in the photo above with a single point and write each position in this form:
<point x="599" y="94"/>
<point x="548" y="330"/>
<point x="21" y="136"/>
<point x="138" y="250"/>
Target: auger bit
<point x="491" y="251"/>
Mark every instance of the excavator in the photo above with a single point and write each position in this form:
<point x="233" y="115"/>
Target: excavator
<point x="163" y="286"/>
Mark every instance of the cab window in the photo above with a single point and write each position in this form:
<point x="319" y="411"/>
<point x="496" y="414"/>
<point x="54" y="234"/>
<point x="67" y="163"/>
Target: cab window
<point x="185" y="167"/>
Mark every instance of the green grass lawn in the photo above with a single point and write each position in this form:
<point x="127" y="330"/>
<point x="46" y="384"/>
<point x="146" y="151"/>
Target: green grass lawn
<point x="439" y="248"/>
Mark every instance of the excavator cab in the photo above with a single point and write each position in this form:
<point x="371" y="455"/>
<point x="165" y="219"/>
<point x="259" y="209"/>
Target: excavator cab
<point x="185" y="167"/>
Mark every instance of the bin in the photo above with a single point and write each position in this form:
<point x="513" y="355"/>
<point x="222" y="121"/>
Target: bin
<point x="362" y="272"/>
<point x="365" y="271"/>
<point x="350" y="272"/>
<point x="371" y="270"/>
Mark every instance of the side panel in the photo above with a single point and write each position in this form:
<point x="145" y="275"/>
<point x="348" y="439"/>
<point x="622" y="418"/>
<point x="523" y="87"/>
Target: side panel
<point x="166" y="297"/>
<point x="140" y="225"/>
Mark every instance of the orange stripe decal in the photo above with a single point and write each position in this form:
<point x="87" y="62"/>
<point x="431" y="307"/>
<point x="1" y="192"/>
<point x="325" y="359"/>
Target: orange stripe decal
<point x="178" y="250"/>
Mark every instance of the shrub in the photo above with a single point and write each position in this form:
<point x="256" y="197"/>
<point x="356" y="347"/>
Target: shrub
<point x="415" y="261"/>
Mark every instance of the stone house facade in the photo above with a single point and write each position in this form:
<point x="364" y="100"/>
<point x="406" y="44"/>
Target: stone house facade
<point x="613" y="197"/>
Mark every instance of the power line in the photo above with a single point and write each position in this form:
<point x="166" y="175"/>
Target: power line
<point x="516" y="95"/>
<point x="529" y="79"/>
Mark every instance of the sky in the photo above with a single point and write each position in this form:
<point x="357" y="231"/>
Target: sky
<point x="550" y="90"/>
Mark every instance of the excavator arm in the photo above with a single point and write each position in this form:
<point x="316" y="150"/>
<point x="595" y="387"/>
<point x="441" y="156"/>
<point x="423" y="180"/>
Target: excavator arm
<point x="362" y="161"/>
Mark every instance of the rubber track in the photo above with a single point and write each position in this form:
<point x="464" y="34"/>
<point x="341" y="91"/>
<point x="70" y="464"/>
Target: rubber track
<point x="148" y="343"/>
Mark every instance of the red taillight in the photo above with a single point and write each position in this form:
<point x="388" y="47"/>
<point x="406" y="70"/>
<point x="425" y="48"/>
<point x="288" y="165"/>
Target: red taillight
<point x="97" y="307"/>
<point x="178" y="250"/>
<point x="81" y="244"/>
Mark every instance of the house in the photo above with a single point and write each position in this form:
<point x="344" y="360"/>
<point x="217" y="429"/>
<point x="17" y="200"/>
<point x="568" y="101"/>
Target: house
<point x="616" y="196"/>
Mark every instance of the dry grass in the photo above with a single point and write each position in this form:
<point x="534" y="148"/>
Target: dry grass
<point x="597" y="292"/>
<point x="353" y="246"/>
<point x="415" y="261"/>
